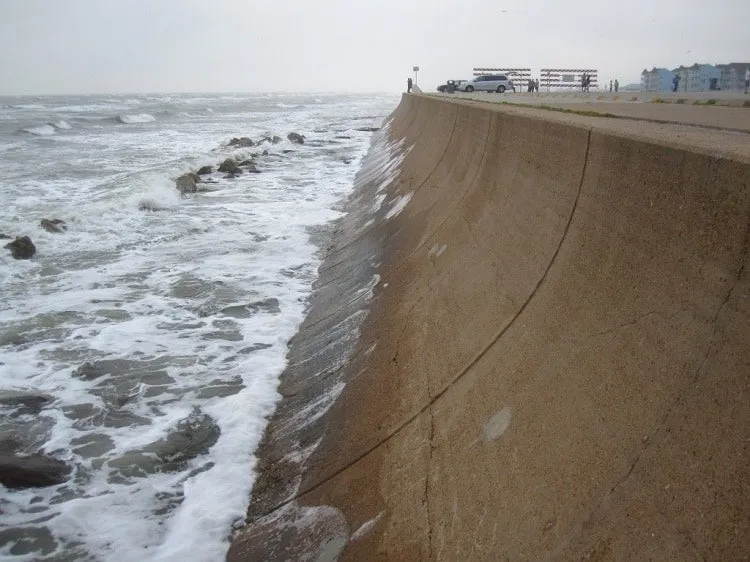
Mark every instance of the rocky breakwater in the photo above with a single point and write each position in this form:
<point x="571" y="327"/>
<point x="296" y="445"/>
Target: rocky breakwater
<point x="232" y="167"/>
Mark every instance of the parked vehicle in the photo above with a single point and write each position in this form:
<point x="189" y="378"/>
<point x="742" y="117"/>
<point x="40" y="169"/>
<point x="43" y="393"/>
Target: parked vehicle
<point x="451" y="85"/>
<point x="490" y="83"/>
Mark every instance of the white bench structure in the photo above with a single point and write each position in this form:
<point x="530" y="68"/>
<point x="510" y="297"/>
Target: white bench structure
<point x="567" y="78"/>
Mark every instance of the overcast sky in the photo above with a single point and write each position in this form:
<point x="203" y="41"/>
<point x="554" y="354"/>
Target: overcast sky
<point x="98" y="46"/>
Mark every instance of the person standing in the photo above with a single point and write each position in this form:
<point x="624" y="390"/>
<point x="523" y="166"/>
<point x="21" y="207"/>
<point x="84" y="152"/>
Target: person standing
<point x="617" y="85"/>
<point x="409" y="85"/>
<point x="610" y="86"/>
<point x="675" y="82"/>
<point x="747" y="79"/>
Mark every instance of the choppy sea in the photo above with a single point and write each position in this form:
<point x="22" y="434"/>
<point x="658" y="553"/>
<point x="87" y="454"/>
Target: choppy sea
<point x="142" y="346"/>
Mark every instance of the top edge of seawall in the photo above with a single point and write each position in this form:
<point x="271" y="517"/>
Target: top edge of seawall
<point x="711" y="141"/>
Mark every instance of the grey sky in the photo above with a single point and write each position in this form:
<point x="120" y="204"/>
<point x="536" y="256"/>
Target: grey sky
<point x="92" y="46"/>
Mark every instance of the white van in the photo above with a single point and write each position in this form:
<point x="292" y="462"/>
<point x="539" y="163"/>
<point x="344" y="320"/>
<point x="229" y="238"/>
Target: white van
<point x="491" y="83"/>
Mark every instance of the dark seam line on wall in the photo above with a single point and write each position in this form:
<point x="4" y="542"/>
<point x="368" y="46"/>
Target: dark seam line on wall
<point x="473" y="362"/>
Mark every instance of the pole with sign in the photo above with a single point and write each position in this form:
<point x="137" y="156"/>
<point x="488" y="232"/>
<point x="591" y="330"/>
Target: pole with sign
<point x="416" y="72"/>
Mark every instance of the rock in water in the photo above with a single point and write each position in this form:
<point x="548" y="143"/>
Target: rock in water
<point x="368" y="129"/>
<point x="241" y="142"/>
<point x="296" y="138"/>
<point x="186" y="183"/>
<point x="22" y="248"/>
<point x="4" y="236"/>
<point x="24" y="401"/>
<point x="34" y="471"/>
<point x="206" y="170"/>
<point x="230" y="166"/>
<point x="53" y="225"/>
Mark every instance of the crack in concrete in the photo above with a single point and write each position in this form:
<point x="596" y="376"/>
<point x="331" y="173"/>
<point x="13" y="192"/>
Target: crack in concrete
<point x="478" y="357"/>
<point x="711" y="351"/>
<point x="647" y="441"/>
<point x="481" y="354"/>
<point x="635" y="321"/>
<point x="426" y="500"/>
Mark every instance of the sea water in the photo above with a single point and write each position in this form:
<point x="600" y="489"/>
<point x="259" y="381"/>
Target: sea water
<point x="148" y="338"/>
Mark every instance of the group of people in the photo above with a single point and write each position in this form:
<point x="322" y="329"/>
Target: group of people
<point x="615" y="85"/>
<point x="532" y="85"/>
<point x="585" y="82"/>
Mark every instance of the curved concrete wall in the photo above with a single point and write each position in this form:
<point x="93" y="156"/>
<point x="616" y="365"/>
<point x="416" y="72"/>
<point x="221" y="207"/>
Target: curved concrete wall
<point x="553" y="361"/>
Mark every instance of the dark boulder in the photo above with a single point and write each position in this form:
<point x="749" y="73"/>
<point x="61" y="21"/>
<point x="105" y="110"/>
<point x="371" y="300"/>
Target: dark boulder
<point x="25" y="401"/>
<point x="296" y="138"/>
<point x="230" y="166"/>
<point x="34" y="471"/>
<point x="273" y="140"/>
<point x="22" y="248"/>
<point x="187" y="183"/>
<point x="4" y="236"/>
<point x="206" y="170"/>
<point x="53" y="225"/>
<point x="192" y="437"/>
<point x="241" y="142"/>
<point x="250" y="166"/>
<point x="265" y="153"/>
<point x="368" y="129"/>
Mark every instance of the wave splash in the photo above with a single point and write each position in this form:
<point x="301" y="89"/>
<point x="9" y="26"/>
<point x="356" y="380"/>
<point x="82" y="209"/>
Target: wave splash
<point x="131" y="119"/>
<point x="41" y="131"/>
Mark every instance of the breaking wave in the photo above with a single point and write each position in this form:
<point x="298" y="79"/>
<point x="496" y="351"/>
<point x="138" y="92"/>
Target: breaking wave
<point x="136" y="118"/>
<point x="42" y="130"/>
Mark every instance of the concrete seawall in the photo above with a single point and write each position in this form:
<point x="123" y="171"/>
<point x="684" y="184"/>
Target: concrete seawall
<point x="533" y="343"/>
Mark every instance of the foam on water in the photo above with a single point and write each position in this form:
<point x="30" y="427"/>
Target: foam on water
<point x="42" y="130"/>
<point x="157" y="325"/>
<point x="136" y="118"/>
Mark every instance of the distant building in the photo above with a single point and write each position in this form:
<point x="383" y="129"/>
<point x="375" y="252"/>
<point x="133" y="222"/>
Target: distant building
<point x="699" y="77"/>
<point x="656" y="80"/>
<point x="732" y="75"/>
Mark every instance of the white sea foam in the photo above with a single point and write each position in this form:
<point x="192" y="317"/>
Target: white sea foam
<point x="42" y="130"/>
<point x="197" y="301"/>
<point x="61" y="125"/>
<point x="129" y="119"/>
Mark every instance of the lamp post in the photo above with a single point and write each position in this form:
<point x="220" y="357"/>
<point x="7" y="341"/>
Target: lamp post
<point x="416" y="72"/>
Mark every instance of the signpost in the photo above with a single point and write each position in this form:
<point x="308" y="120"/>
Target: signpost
<point x="416" y="71"/>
